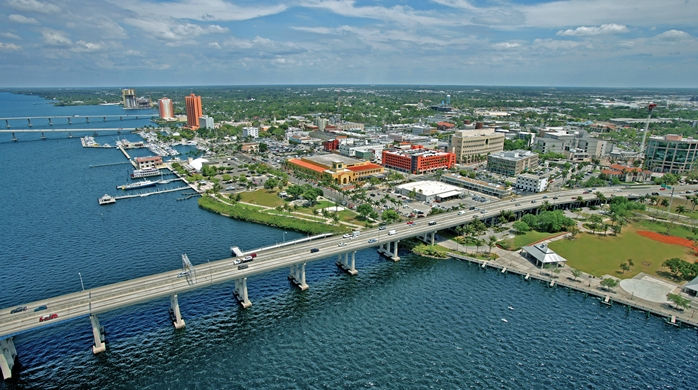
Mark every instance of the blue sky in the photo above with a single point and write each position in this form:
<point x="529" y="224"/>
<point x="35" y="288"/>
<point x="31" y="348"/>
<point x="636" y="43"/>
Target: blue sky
<point x="629" y="43"/>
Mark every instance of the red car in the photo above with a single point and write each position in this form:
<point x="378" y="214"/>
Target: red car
<point x="662" y="189"/>
<point x="410" y="222"/>
<point x="48" y="317"/>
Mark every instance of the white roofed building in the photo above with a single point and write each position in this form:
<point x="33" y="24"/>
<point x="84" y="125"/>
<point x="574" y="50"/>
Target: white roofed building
<point x="542" y="255"/>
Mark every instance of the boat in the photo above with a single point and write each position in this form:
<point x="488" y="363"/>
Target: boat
<point x="145" y="172"/>
<point x="136" y="185"/>
<point x="106" y="199"/>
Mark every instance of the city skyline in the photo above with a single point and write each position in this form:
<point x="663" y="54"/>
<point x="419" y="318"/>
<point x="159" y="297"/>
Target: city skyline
<point x="448" y="42"/>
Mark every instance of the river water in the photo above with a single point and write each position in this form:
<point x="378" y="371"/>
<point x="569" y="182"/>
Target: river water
<point x="418" y="323"/>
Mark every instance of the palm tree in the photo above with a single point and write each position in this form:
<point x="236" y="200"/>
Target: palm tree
<point x="680" y="209"/>
<point x="665" y="203"/>
<point x="576" y="273"/>
<point x="579" y="201"/>
<point x="600" y="197"/>
<point x="507" y="214"/>
<point x="545" y="206"/>
<point x="694" y="201"/>
<point x="491" y="241"/>
<point x="478" y="242"/>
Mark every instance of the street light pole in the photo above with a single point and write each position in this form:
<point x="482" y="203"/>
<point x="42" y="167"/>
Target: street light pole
<point x="81" y="283"/>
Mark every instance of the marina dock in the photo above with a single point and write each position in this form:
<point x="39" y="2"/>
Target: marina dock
<point x="121" y="148"/>
<point x="143" y="195"/>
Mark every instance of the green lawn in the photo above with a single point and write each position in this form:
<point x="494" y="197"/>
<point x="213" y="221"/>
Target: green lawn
<point x="598" y="255"/>
<point x="262" y="197"/>
<point x="525" y="239"/>
<point x="666" y="228"/>
<point x="690" y="212"/>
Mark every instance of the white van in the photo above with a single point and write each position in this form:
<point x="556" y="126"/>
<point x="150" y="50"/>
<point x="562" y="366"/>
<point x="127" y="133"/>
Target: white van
<point x="391" y="232"/>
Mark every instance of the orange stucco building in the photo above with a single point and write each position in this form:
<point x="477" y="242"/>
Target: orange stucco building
<point x="194" y="110"/>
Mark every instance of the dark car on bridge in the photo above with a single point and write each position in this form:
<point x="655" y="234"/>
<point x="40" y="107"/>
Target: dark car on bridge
<point x="18" y="309"/>
<point x="40" y="308"/>
<point x="314" y="250"/>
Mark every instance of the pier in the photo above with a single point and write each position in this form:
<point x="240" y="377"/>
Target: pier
<point x="296" y="257"/>
<point x="605" y="297"/>
<point x="143" y="195"/>
<point x="128" y="157"/>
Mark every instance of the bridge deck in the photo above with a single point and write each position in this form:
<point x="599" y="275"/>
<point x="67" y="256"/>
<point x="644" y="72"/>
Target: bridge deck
<point x="134" y="291"/>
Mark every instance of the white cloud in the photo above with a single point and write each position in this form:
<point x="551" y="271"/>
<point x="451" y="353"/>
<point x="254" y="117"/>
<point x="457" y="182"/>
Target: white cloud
<point x="83" y="46"/>
<point x="554" y="44"/>
<point x="506" y="45"/>
<point x="9" y="47"/>
<point x="174" y="31"/>
<point x="56" y="38"/>
<point x="10" y="35"/>
<point x="398" y="13"/>
<point x="201" y="10"/>
<point x="33" y="6"/>
<point x="594" y="30"/>
<point x="674" y="35"/>
<point x="22" y="19"/>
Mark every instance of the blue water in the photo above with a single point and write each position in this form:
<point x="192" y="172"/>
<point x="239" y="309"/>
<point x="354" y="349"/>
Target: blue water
<point x="417" y="323"/>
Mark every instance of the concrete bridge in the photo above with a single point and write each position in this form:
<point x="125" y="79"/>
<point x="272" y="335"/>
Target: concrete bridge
<point x="69" y="119"/>
<point x="296" y="256"/>
<point x="69" y="131"/>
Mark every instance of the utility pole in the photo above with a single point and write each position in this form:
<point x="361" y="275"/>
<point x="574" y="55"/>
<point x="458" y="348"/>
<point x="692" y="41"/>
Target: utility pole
<point x="650" y="107"/>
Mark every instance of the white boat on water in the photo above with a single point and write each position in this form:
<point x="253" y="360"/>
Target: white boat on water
<point x="106" y="199"/>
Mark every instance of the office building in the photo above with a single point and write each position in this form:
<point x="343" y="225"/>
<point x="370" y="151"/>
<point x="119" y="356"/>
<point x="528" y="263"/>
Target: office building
<point x="430" y="191"/>
<point x="474" y="145"/>
<point x="417" y="160"/>
<point x="194" y="111"/>
<point x="512" y="162"/>
<point x="128" y="97"/>
<point x="531" y="183"/>
<point x="671" y="154"/>
<point x="573" y="144"/>
<point x="166" y="108"/>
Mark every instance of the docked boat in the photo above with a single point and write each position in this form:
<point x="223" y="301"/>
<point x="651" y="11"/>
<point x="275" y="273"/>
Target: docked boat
<point x="136" y="185"/>
<point x="145" y="172"/>
<point x="106" y="199"/>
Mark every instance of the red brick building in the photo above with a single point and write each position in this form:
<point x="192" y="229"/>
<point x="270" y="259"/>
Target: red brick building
<point x="418" y="160"/>
<point x="331" y="146"/>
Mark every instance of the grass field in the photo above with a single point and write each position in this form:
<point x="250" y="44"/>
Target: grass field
<point x="528" y="238"/>
<point x="666" y="228"/>
<point x="262" y="197"/>
<point x="598" y="255"/>
<point x="690" y="212"/>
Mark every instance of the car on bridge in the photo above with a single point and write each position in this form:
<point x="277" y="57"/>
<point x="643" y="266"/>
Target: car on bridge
<point x="342" y="244"/>
<point x="371" y="241"/>
<point x="314" y="250"/>
<point x="40" y="308"/>
<point x="18" y="309"/>
<point x="48" y="317"/>
<point x="243" y="266"/>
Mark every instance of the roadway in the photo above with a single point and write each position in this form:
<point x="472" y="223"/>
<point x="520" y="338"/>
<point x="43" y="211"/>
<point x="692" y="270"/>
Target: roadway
<point x="130" y="292"/>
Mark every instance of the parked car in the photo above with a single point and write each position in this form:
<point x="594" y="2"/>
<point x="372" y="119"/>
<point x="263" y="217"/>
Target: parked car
<point x="48" y="317"/>
<point x="18" y="309"/>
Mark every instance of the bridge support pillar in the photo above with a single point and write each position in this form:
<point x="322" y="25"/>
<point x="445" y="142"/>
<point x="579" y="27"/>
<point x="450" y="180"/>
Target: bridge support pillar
<point x="348" y="265"/>
<point x="14" y="137"/>
<point x="98" y="334"/>
<point x="69" y="122"/>
<point x="241" y="293"/>
<point x="8" y="357"/>
<point x="87" y="119"/>
<point x="175" y="314"/>
<point x="7" y="123"/>
<point x="387" y="252"/>
<point x="29" y="122"/>
<point x="43" y="136"/>
<point x="104" y="119"/>
<point x="297" y="276"/>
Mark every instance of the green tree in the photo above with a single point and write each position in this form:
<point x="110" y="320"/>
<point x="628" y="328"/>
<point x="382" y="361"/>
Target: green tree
<point x="678" y="301"/>
<point x="609" y="283"/>
<point x="390" y="216"/>
<point x="680" y="209"/>
<point x="364" y="210"/>
<point x="576" y="273"/>
<point x="271" y="183"/>
<point x="491" y="241"/>
<point x="521" y="227"/>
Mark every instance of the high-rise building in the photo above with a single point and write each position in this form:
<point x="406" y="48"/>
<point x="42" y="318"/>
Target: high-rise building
<point x="166" y="108"/>
<point x="194" y="111"/>
<point x="474" y="145"/>
<point x="671" y="153"/>
<point x="128" y="97"/>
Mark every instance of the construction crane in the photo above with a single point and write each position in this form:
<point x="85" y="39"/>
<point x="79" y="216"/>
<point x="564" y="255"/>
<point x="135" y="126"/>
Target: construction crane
<point x="650" y="107"/>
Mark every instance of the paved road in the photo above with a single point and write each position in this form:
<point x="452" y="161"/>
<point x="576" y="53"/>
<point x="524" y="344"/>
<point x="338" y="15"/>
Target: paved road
<point x="130" y="292"/>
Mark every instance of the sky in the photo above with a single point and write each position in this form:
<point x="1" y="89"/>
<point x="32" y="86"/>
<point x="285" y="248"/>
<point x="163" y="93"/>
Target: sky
<point x="604" y="43"/>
